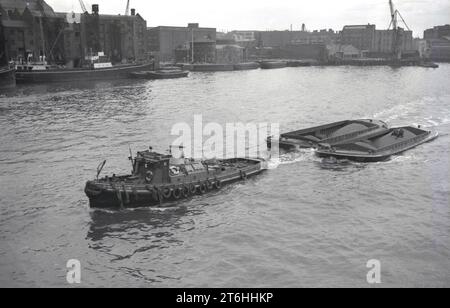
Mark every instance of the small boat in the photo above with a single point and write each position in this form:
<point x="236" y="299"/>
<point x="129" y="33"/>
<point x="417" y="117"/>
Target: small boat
<point x="161" y="74"/>
<point x="299" y="63"/>
<point x="246" y="66"/>
<point x="158" y="178"/>
<point x="273" y="64"/>
<point x="378" y="147"/>
<point x="429" y="65"/>
<point x="7" y="78"/>
<point x="334" y="133"/>
<point x="212" y="67"/>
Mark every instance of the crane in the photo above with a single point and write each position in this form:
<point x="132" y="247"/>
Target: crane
<point x="83" y="7"/>
<point x="393" y="15"/>
<point x="127" y="10"/>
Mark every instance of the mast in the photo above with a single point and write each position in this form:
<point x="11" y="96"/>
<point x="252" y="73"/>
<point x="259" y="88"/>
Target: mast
<point x="43" y="39"/>
<point x="192" y="44"/>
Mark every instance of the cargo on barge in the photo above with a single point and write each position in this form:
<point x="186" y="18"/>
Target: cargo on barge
<point x="378" y="147"/>
<point x="333" y="133"/>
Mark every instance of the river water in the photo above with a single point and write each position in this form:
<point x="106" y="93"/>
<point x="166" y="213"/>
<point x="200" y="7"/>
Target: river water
<point x="304" y="224"/>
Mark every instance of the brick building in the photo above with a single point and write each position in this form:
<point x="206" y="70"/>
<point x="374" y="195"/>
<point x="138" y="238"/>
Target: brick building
<point x="383" y="42"/>
<point x="437" y="32"/>
<point x="164" y="40"/>
<point x="122" y="38"/>
<point x="31" y="29"/>
<point x="359" y="36"/>
<point x="438" y="42"/>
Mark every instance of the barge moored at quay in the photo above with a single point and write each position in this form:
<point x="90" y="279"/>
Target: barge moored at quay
<point x="160" y="74"/>
<point x="273" y="64"/>
<point x="158" y="178"/>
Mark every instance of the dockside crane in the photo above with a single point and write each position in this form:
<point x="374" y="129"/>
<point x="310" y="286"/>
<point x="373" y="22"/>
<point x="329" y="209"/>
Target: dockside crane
<point x="83" y="7"/>
<point x="127" y="10"/>
<point x="397" y="41"/>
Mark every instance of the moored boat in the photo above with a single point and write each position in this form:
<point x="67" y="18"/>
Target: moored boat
<point x="429" y="65"/>
<point x="299" y="63"/>
<point x="158" y="178"/>
<point x="49" y="75"/>
<point x="273" y="64"/>
<point x="378" y="147"/>
<point x="333" y="133"/>
<point x="211" y="67"/>
<point x="161" y="74"/>
<point x="246" y="66"/>
<point x="7" y="78"/>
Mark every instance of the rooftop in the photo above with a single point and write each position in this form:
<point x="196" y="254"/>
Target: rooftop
<point x="37" y="7"/>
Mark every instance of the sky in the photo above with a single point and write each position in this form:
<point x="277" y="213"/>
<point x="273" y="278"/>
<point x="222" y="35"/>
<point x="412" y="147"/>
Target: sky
<point x="231" y="15"/>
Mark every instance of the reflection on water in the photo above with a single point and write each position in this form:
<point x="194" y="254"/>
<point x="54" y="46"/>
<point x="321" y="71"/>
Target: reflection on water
<point x="307" y="222"/>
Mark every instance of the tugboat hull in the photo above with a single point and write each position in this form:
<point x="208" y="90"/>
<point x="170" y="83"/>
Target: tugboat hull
<point x="127" y="192"/>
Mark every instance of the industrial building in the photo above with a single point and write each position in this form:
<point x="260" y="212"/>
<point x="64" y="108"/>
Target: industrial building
<point x="30" y="30"/>
<point x="122" y="38"/>
<point x="165" y="40"/>
<point x="33" y="30"/>
<point x="438" y="43"/>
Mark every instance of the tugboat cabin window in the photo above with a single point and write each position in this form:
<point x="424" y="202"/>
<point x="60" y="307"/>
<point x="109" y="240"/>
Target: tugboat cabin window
<point x="198" y="167"/>
<point x="189" y="168"/>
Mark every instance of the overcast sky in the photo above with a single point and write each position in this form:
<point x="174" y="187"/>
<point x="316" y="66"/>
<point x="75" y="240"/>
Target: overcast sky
<point x="230" y="15"/>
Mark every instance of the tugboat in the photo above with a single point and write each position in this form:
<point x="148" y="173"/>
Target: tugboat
<point x="332" y="134"/>
<point x="158" y="178"/>
<point x="378" y="147"/>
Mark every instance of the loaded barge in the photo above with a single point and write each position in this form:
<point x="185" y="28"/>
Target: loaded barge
<point x="378" y="147"/>
<point x="333" y="133"/>
<point x="158" y="178"/>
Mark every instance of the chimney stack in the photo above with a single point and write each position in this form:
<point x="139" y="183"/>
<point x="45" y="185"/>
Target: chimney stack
<point x="95" y="9"/>
<point x="133" y="12"/>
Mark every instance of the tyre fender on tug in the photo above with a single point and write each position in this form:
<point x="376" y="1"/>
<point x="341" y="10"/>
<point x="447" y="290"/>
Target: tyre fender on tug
<point x="149" y="176"/>
<point x="177" y="192"/>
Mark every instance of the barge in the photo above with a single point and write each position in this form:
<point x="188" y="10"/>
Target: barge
<point x="161" y="74"/>
<point x="273" y="64"/>
<point x="332" y="134"/>
<point x="378" y="147"/>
